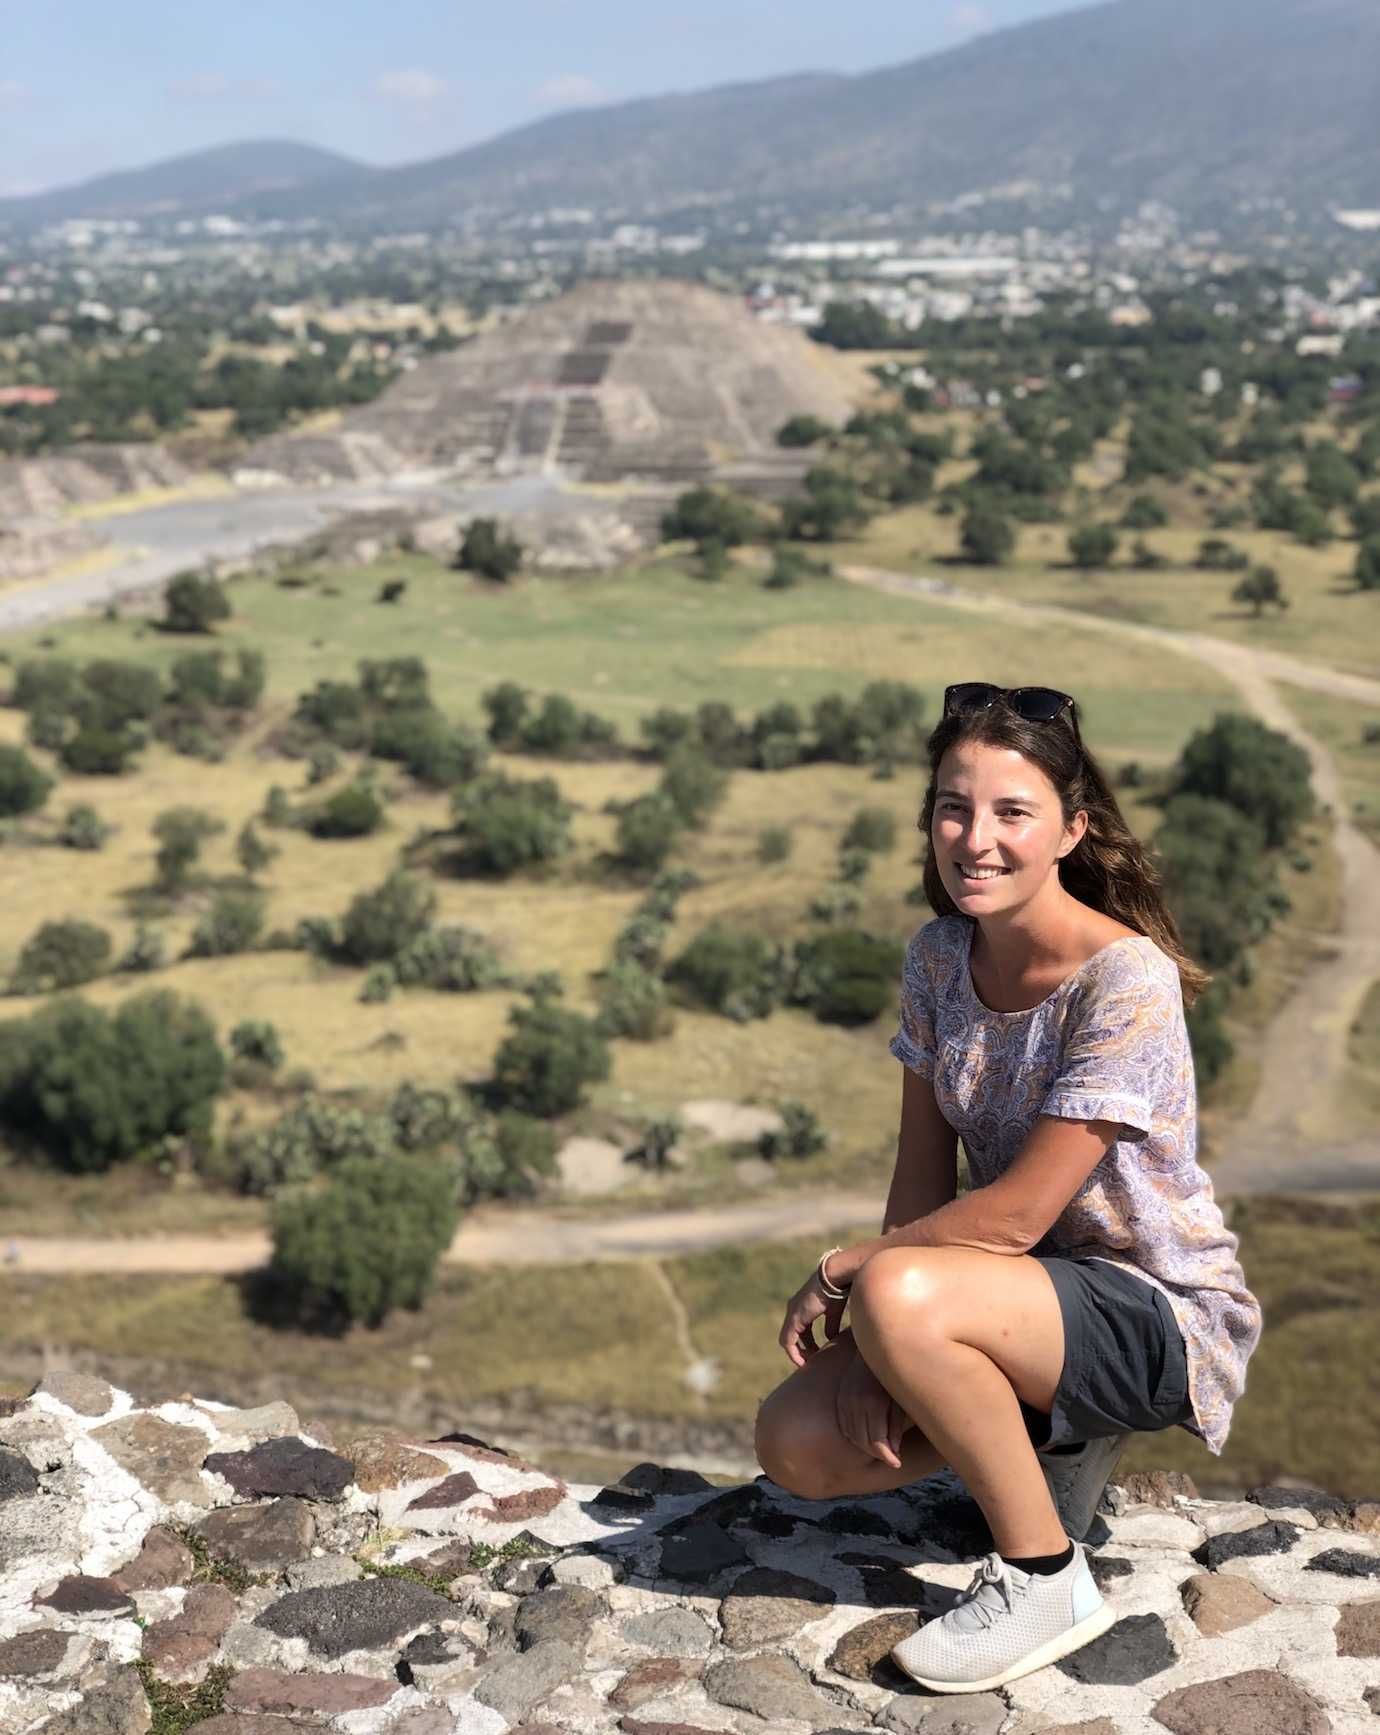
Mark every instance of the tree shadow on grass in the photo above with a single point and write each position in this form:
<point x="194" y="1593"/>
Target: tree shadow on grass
<point x="270" y="1300"/>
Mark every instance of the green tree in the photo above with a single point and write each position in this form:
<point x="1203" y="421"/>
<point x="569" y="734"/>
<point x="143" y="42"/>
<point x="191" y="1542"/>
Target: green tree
<point x="367" y="1244"/>
<point x="633" y="1003"/>
<point x="93" y="1088"/>
<point x="872" y="829"/>
<point x="1259" y="588"/>
<point x="1092" y="545"/>
<point x="233" y="924"/>
<point x="802" y="431"/>
<point x="181" y="831"/>
<point x="252" y="853"/>
<point x="354" y="811"/>
<point x="194" y="604"/>
<point x="487" y="550"/>
<point x="1253" y="768"/>
<point x="23" y="786"/>
<point x="62" y="954"/>
<point x="83" y="828"/>
<point x="1367" y="571"/>
<point x="846" y="975"/>
<point x="712" y="515"/>
<point x="381" y="924"/>
<point x="739" y="973"/>
<point x="1144" y="512"/>
<point x="987" y="538"/>
<point x="506" y="824"/>
<point x="551" y="1054"/>
<point x="647" y="830"/>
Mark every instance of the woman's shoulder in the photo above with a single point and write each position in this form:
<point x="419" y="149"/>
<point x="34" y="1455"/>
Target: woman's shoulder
<point x="938" y="938"/>
<point x="1131" y="963"/>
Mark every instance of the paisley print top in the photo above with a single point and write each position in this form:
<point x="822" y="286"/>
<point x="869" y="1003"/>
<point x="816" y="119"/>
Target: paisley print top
<point x="1110" y="1043"/>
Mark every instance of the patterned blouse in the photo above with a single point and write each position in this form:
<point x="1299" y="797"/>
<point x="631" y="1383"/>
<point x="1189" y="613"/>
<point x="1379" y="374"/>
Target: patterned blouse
<point x="1110" y="1043"/>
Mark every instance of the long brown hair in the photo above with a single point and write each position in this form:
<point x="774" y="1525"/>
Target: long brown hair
<point x="1108" y="869"/>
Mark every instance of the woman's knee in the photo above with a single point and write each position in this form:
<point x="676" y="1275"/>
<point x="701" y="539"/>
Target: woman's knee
<point x="798" y="1447"/>
<point x="897" y="1285"/>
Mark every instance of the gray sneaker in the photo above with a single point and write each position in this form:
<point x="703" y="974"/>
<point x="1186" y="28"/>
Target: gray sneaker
<point x="1076" y="1479"/>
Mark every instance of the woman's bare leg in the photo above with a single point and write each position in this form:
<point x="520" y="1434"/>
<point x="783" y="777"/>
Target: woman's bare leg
<point x="960" y="1337"/>
<point x="800" y="1447"/>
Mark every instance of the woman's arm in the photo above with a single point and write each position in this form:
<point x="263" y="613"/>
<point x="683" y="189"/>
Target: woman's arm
<point x="926" y="1172"/>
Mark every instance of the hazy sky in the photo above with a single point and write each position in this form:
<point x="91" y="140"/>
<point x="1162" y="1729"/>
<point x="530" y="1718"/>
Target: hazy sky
<point x="87" y="86"/>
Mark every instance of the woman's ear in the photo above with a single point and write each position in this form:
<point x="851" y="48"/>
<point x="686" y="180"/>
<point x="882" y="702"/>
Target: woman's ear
<point x="1074" y="832"/>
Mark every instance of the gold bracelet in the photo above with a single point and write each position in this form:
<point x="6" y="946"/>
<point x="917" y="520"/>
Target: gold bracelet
<point x="831" y="1290"/>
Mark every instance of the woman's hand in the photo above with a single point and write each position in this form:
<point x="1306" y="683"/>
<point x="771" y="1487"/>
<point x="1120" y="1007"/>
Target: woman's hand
<point x="809" y="1303"/>
<point x="868" y="1415"/>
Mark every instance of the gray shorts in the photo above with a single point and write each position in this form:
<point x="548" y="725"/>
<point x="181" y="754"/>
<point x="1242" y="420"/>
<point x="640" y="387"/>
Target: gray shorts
<point x="1125" y="1367"/>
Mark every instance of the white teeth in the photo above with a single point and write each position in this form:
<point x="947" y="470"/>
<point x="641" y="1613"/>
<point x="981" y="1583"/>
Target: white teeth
<point x="981" y="873"/>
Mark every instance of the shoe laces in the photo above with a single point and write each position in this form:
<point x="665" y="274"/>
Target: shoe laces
<point x="990" y="1591"/>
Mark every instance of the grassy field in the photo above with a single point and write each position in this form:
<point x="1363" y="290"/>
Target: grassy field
<point x="1340" y="725"/>
<point x="602" y="1336"/>
<point x="622" y="645"/>
<point x="1328" y="619"/>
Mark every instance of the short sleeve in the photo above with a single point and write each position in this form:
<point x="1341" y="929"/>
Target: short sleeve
<point x="914" y="1044"/>
<point x="1128" y="1022"/>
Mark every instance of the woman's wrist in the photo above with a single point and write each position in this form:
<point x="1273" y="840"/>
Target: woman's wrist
<point x="835" y="1269"/>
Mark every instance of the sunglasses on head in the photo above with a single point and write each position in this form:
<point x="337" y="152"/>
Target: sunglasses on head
<point x="1035" y="704"/>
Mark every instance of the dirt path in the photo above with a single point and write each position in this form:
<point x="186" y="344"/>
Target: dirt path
<point x="1285" y="1142"/>
<point x="516" y="1237"/>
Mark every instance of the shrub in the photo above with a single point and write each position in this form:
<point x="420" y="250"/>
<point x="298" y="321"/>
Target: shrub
<point x="433" y="750"/>
<point x="693" y="784"/>
<point x="831" y="506"/>
<point x="117" y="693"/>
<point x="393" y="590"/>
<point x="95" y="751"/>
<point x="802" y="431"/>
<point x="1367" y="573"/>
<point x="380" y="980"/>
<point x="835" y="903"/>
<point x="1251" y="767"/>
<point x="83" y="828"/>
<point x="336" y="709"/>
<point x="486" y="550"/>
<point x="647" y="831"/>
<point x="251" y="852"/>
<point x="257" y="1040"/>
<point x="641" y="941"/>
<point x="846" y="975"/>
<point x="800" y="1134"/>
<point x="871" y="828"/>
<point x="1092" y="545"/>
<point x="232" y="924"/>
<point x="46" y="683"/>
<point x="1144" y="512"/>
<point x="543" y="1066"/>
<point x="146" y="951"/>
<point x="712" y="515"/>
<point x="1258" y="588"/>
<point x="742" y="975"/>
<point x="312" y="1135"/>
<point x="368" y="1243"/>
<point x="507" y="708"/>
<point x="987" y="538"/>
<point x="506" y="824"/>
<point x="774" y="843"/>
<point x="93" y="1088"/>
<point x="658" y="1139"/>
<point x="62" y="954"/>
<point x="180" y="832"/>
<point x="23" y="786"/>
<point x="354" y="811"/>
<point x="633" y="1002"/>
<point x="1216" y="554"/>
<point x="455" y="960"/>
<point x="194" y="604"/>
<point x="380" y="925"/>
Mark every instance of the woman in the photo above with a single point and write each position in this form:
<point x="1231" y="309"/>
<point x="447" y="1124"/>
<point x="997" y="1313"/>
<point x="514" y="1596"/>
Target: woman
<point x="1086" y="1287"/>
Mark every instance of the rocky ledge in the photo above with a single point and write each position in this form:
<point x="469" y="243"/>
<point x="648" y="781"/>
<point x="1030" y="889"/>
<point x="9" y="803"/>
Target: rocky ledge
<point x="190" y="1566"/>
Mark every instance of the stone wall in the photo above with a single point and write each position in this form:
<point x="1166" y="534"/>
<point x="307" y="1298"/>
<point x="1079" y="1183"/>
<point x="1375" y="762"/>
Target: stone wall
<point x="193" y="1566"/>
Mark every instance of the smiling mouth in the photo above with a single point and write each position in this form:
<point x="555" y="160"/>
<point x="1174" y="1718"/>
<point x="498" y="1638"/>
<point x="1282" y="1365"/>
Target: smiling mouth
<point x="978" y="876"/>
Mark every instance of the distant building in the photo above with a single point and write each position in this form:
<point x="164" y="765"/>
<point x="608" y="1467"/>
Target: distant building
<point x="33" y="397"/>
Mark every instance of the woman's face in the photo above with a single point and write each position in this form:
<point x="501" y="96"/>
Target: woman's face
<point x="994" y="810"/>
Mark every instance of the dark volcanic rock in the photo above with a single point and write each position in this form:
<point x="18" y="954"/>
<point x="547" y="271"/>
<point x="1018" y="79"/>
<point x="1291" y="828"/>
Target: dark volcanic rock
<point x="700" y="1553"/>
<point x="452" y="1491"/>
<point x="766" y="1604"/>
<point x="657" y="1479"/>
<point x="260" y="1538"/>
<point x="1308" y="1499"/>
<point x="366" y="1615"/>
<point x="566" y="1612"/>
<point x="284" y="1466"/>
<point x="1276" y="1537"/>
<point x="81" y="1595"/>
<point x="1346" y="1563"/>
<point x="1258" y="1702"/>
<point x="34" y="1653"/>
<point x="17" y="1475"/>
<point x="863" y="1647"/>
<point x="620" y="1497"/>
<point x="1131" y="1651"/>
<point x="163" y="1561"/>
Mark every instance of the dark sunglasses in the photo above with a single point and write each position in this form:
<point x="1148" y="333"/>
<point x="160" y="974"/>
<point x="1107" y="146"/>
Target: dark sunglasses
<point x="1035" y="704"/>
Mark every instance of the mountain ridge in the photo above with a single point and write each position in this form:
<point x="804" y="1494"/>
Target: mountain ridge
<point x="1215" y="107"/>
